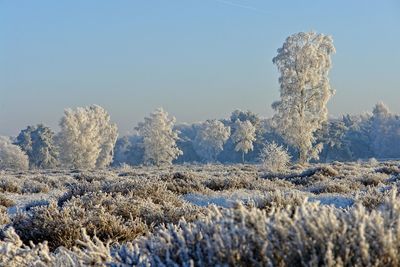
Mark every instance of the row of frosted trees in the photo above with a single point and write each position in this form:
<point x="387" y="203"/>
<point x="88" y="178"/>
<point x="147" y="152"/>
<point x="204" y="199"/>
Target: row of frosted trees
<point x="88" y="139"/>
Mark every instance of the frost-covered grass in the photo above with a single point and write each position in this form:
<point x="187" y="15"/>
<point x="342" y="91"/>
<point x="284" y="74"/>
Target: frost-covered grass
<point x="338" y="214"/>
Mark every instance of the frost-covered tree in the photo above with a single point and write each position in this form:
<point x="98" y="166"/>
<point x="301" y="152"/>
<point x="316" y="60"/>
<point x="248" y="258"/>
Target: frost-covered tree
<point x="336" y="147"/>
<point x="38" y="143"/>
<point x="11" y="156"/>
<point x="159" y="138"/>
<point x="304" y="62"/>
<point x="358" y="136"/>
<point x="244" y="136"/>
<point x="87" y="138"/>
<point x="129" y="150"/>
<point x="385" y="132"/>
<point x="210" y="139"/>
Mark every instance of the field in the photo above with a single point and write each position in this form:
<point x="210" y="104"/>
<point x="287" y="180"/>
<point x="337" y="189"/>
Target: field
<point x="202" y="215"/>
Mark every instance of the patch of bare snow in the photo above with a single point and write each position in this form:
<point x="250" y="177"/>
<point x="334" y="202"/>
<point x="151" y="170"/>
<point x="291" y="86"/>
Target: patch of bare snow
<point x="21" y="200"/>
<point x="335" y="200"/>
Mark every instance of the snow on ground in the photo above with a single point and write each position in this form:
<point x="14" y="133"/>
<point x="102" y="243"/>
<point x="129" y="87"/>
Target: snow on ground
<point x="22" y="200"/>
<point x="335" y="200"/>
<point x="229" y="200"/>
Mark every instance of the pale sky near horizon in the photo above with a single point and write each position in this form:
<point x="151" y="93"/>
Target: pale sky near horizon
<point x="199" y="59"/>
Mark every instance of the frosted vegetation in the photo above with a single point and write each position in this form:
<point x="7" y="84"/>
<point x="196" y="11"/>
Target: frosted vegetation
<point x="202" y="215"/>
<point x="310" y="191"/>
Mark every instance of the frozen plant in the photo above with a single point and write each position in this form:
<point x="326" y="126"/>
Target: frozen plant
<point x="11" y="156"/>
<point x="304" y="62"/>
<point x="159" y="138"/>
<point x="274" y="158"/>
<point x="87" y="138"/>
<point x="244" y="136"/>
<point x="210" y="139"/>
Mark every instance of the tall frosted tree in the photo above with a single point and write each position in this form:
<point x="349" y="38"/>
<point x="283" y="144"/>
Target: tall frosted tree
<point x="244" y="136"/>
<point x="38" y="143"/>
<point x="11" y="156"/>
<point x="159" y="138"/>
<point x="210" y="139"/>
<point x="304" y="62"/>
<point x="87" y="138"/>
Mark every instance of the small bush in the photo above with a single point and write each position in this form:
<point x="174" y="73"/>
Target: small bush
<point x="390" y="170"/>
<point x="373" y="179"/>
<point x="182" y="183"/>
<point x="4" y="219"/>
<point x="62" y="226"/>
<point x="274" y="158"/>
<point x="34" y="187"/>
<point x="6" y="202"/>
<point x="7" y="185"/>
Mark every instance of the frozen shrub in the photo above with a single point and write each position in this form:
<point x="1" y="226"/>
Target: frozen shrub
<point x="111" y="215"/>
<point x="8" y="185"/>
<point x="76" y="190"/>
<point x="326" y="171"/>
<point x="36" y="203"/>
<point x="372" y="197"/>
<point x="390" y="169"/>
<point x="62" y="226"/>
<point x="330" y="187"/>
<point x="274" y="158"/>
<point x="373" y="179"/>
<point x="52" y="182"/>
<point x="182" y="183"/>
<point x="281" y="200"/>
<point x="6" y="202"/>
<point x="34" y="187"/>
<point x="4" y="219"/>
<point x="229" y="183"/>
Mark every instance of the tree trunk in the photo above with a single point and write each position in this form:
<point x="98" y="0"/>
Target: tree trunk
<point x="243" y="157"/>
<point x="302" y="156"/>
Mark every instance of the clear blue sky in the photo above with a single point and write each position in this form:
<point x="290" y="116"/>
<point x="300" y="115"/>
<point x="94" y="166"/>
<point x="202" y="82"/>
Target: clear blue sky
<point x="197" y="59"/>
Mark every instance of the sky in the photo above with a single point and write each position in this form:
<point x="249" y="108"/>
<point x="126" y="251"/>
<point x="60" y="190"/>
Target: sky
<point x="198" y="59"/>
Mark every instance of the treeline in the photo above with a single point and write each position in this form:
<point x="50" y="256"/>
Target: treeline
<point x="88" y="139"/>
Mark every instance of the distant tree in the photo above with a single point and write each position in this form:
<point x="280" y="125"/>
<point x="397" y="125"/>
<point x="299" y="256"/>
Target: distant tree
<point x="358" y="135"/>
<point x="187" y="134"/>
<point x="159" y="138"/>
<point x="121" y="151"/>
<point x="38" y="143"/>
<point x="246" y="116"/>
<point x="210" y="139"/>
<point x="129" y="150"/>
<point x="385" y="132"/>
<point x="303" y="62"/>
<point x="87" y="138"/>
<point x="336" y="147"/>
<point x="244" y="136"/>
<point x="11" y="156"/>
